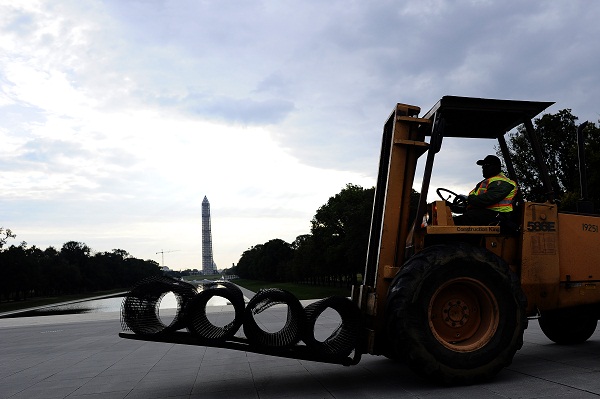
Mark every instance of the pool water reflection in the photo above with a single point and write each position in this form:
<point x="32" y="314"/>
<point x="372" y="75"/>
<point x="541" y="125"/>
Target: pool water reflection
<point x="112" y="304"/>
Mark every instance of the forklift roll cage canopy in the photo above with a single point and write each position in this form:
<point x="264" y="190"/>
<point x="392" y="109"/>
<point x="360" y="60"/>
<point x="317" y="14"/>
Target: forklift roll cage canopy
<point x="482" y="118"/>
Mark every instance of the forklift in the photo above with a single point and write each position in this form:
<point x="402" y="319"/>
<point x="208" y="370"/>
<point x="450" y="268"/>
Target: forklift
<point x="450" y="300"/>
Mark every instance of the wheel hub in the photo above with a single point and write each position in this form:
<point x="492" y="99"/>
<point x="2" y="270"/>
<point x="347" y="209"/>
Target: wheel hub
<point x="463" y="314"/>
<point x="456" y="313"/>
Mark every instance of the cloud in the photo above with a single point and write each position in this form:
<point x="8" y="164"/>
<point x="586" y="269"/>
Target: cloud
<point x="125" y="114"/>
<point x="247" y="111"/>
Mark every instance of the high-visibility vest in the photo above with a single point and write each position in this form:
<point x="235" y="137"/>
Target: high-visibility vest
<point x="504" y="205"/>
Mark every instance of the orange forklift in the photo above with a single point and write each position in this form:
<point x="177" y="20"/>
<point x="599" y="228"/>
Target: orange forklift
<point x="453" y="301"/>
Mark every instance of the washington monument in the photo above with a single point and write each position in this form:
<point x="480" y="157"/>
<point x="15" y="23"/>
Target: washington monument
<point x="208" y="264"/>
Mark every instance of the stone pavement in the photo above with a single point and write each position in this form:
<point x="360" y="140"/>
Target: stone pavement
<point x="82" y="357"/>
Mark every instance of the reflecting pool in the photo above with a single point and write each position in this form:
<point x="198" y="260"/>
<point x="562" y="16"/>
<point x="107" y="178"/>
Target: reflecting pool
<point x="110" y="304"/>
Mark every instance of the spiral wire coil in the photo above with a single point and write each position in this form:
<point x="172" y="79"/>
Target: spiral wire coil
<point x="139" y="313"/>
<point x="140" y="307"/>
<point x="198" y="322"/>
<point x="345" y="337"/>
<point x="295" y="323"/>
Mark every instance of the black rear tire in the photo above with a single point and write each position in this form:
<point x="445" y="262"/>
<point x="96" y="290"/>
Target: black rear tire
<point x="456" y="314"/>
<point x="568" y="326"/>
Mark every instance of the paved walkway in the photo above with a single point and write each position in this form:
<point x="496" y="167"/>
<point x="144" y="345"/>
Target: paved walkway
<point x="81" y="356"/>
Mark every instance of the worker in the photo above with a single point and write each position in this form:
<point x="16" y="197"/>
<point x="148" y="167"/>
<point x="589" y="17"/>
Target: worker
<point x="492" y="199"/>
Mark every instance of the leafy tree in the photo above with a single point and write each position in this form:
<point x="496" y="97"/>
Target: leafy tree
<point x="304" y="264"/>
<point x="267" y="262"/>
<point x="120" y="253"/>
<point x="59" y="275"/>
<point x="274" y="260"/>
<point x="135" y="269"/>
<point x="246" y="265"/>
<point x="5" y="234"/>
<point x="341" y="232"/>
<point x="557" y="134"/>
<point x="14" y="271"/>
<point x="75" y="252"/>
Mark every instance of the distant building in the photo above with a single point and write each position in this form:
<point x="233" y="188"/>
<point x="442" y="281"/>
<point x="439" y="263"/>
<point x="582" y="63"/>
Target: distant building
<point x="208" y="264"/>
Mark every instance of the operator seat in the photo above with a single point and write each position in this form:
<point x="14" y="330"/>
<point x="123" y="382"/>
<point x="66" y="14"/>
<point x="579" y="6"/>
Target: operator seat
<point x="509" y="222"/>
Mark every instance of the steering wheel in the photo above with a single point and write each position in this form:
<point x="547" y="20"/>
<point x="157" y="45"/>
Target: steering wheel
<point x="458" y="202"/>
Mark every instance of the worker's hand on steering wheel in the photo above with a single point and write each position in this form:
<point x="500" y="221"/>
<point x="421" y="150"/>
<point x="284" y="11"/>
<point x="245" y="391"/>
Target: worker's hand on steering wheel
<point x="457" y="202"/>
<point x="460" y="200"/>
<point x="459" y="205"/>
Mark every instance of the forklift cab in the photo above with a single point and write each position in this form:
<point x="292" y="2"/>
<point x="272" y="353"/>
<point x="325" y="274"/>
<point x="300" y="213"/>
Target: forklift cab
<point x="403" y="143"/>
<point x="463" y="117"/>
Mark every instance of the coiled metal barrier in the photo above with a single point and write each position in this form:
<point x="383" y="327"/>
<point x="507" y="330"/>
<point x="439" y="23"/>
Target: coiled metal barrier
<point x="139" y="314"/>
<point x="198" y="322"/>
<point x="140" y="307"/>
<point x="295" y="323"/>
<point x="345" y="338"/>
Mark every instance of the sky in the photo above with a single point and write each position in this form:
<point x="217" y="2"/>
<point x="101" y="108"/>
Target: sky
<point x="117" y="117"/>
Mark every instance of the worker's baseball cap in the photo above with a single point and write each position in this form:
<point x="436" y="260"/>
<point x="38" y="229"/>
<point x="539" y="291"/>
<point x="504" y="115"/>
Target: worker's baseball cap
<point x="489" y="160"/>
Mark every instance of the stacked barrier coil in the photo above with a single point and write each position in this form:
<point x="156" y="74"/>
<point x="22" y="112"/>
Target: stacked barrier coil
<point x="140" y="307"/>
<point x="199" y="324"/>
<point x="139" y="313"/>
<point x="295" y="323"/>
<point x="345" y="337"/>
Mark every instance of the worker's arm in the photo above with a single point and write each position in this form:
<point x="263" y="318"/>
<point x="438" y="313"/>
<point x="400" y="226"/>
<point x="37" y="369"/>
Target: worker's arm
<point x="495" y="193"/>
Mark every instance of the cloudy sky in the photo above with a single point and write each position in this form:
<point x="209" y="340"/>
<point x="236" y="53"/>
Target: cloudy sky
<point x="118" y="117"/>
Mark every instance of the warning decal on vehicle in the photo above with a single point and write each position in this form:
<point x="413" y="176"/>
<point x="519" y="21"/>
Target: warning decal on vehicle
<point x="543" y="244"/>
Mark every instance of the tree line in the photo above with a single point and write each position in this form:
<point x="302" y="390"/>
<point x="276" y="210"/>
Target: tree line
<point x="334" y="252"/>
<point x="28" y="271"/>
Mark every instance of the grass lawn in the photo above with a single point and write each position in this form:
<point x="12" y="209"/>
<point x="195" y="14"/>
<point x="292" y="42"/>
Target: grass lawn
<point x="202" y="277"/>
<point x="301" y="291"/>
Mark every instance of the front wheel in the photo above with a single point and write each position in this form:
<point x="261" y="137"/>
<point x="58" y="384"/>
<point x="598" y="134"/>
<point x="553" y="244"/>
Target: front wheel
<point x="456" y="314"/>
